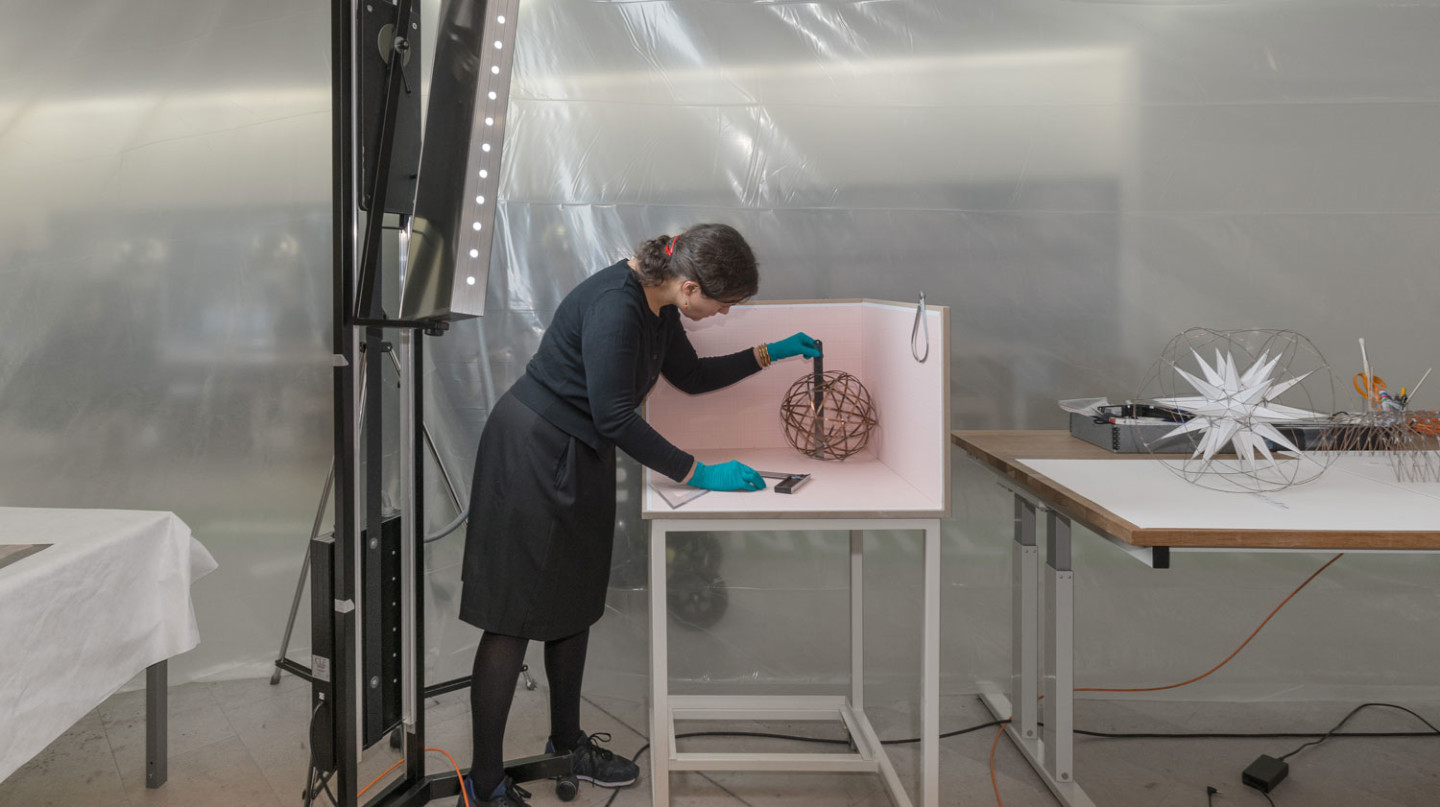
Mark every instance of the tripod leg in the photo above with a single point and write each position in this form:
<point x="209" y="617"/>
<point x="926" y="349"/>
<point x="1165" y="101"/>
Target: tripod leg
<point x="314" y="533"/>
<point x="290" y="623"/>
<point x="304" y="575"/>
<point x="461" y="511"/>
<point x="444" y="473"/>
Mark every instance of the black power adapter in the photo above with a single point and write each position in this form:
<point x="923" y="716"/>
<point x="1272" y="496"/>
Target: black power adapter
<point x="1265" y="773"/>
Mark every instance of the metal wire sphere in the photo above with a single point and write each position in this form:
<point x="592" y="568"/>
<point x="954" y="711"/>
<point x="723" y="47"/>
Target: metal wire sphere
<point x="1300" y="375"/>
<point x="842" y="425"/>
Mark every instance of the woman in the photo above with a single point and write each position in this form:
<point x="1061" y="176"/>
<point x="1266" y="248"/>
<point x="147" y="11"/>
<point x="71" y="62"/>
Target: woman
<point x="542" y="513"/>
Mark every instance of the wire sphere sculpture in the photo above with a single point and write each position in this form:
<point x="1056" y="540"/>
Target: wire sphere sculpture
<point x="1248" y="406"/>
<point x="1409" y="441"/>
<point x="831" y="420"/>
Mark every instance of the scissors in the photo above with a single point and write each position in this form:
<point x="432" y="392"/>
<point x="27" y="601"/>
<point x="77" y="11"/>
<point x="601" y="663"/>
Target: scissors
<point x="1373" y="388"/>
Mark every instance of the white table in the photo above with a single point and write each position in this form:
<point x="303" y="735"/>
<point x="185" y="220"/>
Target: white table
<point x="1150" y="513"/>
<point x="108" y="598"/>
<point x="840" y="497"/>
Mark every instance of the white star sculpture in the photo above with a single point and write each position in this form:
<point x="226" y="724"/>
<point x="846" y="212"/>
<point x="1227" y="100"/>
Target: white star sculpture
<point x="1237" y="408"/>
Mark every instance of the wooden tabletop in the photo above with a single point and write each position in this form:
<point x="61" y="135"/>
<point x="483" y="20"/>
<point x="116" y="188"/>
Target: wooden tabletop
<point x="1001" y="451"/>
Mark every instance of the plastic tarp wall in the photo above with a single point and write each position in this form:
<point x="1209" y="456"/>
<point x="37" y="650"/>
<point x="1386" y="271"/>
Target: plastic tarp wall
<point x="165" y="285"/>
<point x="1077" y="181"/>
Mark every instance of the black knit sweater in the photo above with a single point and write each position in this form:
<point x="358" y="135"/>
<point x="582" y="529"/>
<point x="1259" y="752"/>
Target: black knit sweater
<point x="603" y="353"/>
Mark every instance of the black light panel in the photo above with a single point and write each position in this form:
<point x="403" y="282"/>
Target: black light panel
<point x="453" y="228"/>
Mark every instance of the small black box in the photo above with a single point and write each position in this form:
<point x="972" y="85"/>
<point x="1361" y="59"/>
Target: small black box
<point x="1265" y="773"/>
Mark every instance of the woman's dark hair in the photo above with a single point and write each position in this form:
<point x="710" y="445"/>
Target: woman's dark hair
<point x="713" y="255"/>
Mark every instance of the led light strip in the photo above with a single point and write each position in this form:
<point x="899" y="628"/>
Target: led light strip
<point x="482" y="168"/>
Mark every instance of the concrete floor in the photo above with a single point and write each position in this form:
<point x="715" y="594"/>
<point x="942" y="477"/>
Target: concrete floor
<point x="244" y="743"/>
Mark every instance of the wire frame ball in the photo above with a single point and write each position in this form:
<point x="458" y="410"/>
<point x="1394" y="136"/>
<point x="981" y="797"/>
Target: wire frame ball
<point x="842" y="425"/>
<point x="1272" y="379"/>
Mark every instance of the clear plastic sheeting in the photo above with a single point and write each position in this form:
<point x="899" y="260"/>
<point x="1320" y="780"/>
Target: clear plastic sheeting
<point x="165" y="285"/>
<point x="1079" y="182"/>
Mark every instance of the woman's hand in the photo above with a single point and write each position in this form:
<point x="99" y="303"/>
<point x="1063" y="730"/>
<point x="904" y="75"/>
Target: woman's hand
<point x="732" y="475"/>
<point x="797" y="345"/>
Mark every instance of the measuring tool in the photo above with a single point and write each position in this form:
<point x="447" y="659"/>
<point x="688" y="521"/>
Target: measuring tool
<point x="788" y="482"/>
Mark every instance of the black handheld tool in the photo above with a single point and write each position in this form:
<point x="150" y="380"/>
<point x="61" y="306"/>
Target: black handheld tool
<point x="788" y="482"/>
<point x="817" y="400"/>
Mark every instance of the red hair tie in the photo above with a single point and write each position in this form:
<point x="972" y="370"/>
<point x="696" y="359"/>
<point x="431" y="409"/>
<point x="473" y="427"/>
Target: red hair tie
<point x="670" y="246"/>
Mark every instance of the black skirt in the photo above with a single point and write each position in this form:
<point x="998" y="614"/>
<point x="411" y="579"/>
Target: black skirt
<point x="542" y="525"/>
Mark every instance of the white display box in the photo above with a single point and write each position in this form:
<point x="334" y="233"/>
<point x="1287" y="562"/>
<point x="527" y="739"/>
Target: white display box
<point x="903" y="472"/>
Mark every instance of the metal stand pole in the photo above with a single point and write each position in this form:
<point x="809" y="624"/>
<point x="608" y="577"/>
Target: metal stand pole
<point x="280" y="660"/>
<point x="157" y="726"/>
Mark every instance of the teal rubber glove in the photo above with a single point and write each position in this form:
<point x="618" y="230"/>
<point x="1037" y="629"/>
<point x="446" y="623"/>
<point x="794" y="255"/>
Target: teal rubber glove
<point x="732" y="475"/>
<point x="797" y="345"/>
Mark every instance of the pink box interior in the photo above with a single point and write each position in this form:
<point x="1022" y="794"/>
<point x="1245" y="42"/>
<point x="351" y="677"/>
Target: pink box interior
<point x="903" y="470"/>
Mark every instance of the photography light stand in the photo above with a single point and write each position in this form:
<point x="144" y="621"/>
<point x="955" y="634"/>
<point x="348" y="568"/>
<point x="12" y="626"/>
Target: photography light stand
<point x="367" y="625"/>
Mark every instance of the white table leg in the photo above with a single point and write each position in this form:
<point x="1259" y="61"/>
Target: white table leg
<point x="659" y="671"/>
<point x="1059" y="739"/>
<point x="857" y="620"/>
<point x="1053" y="754"/>
<point x="1025" y="623"/>
<point x="930" y="674"/>
<point x="870" y="755"/>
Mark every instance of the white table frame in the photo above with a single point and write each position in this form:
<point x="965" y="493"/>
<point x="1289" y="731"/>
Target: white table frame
<point x="1051" y="752"/>
<point x="869" y="755"/>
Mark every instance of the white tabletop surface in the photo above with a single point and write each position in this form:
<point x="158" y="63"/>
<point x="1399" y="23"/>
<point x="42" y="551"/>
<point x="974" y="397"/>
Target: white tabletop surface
<point x="1355" y="493"/>
<point x="858" y="486"/>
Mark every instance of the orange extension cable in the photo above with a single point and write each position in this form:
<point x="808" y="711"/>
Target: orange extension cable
<point x="463" y="794"/>
<point x="994" y="783"/>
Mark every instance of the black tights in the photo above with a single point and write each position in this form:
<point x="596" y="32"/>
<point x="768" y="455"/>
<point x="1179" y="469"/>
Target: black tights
<point x="492" y="688"/>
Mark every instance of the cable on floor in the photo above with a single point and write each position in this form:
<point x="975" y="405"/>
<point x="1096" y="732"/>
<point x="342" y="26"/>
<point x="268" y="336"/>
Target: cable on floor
<point x="458" y="775"/>
<point x="1334" y="732"/>
<point x="313" y="787"/>
<point x="1237" y="650"/>
<point x="1115" y="735"/>
<point x="1353" y="712"/>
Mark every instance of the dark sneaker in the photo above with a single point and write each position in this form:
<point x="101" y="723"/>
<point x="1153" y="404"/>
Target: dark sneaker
<point x="602" y="766"/>
<point x="511" y="795"/>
